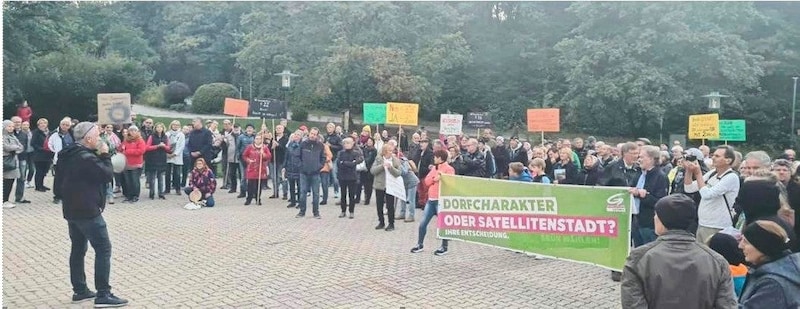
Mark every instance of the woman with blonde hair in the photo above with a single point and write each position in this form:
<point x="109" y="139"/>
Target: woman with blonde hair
<point x="158" y="146"/>
<point x="774" y="279"/>
<point x="564" y="170"/>
<point x="174" y="172"/>
<point x="385" y="161"/>
<point x="133" y="147"/>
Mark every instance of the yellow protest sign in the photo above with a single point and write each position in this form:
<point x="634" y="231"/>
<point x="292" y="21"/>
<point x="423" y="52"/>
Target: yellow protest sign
<point x="404" y="114"/>
<point x="705" y="126"/>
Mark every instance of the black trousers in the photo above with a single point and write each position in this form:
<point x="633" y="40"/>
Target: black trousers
<point x="348" y="189"/>
<point x="42" y="167"/>
<point x="7" y="183"/>
<point x="173" y="177"/>
<point x="253" y="190"/>
<point x="294" y="188"/>
<point x="233" y="175"/>
<point x="366" y="181"/>
<point x="380" y="198"/>
<point x="31" y="168"/>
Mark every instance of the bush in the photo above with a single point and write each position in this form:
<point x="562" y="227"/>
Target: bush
<point x="176" y="92"/>
<point x="210" y="98"/>
<point x="179" y="107"/>
<point x="153" y="95"/>
<point x="299" y="114"/>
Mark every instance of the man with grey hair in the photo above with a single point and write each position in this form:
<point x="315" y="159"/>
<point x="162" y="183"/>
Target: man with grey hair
<point x="473" y="162"/>
<point x="59" y="140"/>
<point x="81" y="179"/>
<point x="650" y="187"/>
<point x="753" y="161"/>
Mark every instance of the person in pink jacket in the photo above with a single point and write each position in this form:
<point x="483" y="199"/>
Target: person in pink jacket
<point x="439" y="167"/>
<point x="133" y="147"/>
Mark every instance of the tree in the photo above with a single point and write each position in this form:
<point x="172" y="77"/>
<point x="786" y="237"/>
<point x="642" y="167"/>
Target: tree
<point x="210" y="98"/>
<point x="176" y="93"/>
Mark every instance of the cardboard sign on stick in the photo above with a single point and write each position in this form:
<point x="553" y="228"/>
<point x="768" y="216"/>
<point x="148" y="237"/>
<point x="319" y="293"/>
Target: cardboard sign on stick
<point x="404" y="114"/>
<point x="705" y="126"/>
<point x="544" y="120"/>
<point x="113" y="108"/>
<point x="450" y="124"/>
<point x="235" y="107"/>
<point x="374" y="113"/>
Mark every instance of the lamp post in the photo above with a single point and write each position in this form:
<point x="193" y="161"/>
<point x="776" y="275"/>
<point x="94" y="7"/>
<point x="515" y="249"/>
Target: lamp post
<point x="286" y="83"/>
<point x="794" y="111"/>
<point x="714" y="99"/>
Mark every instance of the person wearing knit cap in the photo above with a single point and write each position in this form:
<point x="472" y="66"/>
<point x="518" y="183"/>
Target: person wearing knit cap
<point x="727" y="246"/>
<point x="759" y="199"/>
<point x="774" y="279"/>
<point x="676" y="271"/>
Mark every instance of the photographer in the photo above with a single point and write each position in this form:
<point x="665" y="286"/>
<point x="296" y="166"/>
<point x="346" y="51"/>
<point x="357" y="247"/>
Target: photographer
<point x="678" y="173"/>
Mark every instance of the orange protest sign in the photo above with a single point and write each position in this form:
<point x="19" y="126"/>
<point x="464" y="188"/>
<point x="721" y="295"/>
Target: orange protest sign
<point x="404" y="114"/>
<point x="235" y="107"/>
<point x="544" y="120"/>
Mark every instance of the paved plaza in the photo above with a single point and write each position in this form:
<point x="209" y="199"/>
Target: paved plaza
<point x="236" y="256"/>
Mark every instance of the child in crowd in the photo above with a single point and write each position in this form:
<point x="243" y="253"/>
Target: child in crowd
<point x="518" y="172"/>
<point x="727" y="246"/>
<point x="536" y="168"/>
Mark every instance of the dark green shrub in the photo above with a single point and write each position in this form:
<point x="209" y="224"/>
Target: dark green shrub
<point x="210" y="98"/>
<point x="299" y="114"/>
<point x="176" y="92"/>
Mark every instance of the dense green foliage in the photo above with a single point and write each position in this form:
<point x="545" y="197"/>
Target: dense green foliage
<point x="615" y="69"/>
<point x="209" y="98"/>
<point x="176" y="93"/>
<point x="152" y="95"/>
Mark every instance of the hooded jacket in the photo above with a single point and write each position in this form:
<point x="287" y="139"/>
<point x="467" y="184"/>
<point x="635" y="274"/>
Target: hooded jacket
<point x="773" y="285"/>
<point x="293" y="163"/>
<point x="81" y="182"/>
<point x="525" y="176"/>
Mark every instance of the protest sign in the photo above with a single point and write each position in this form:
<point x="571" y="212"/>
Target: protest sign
<point x="544" y="120"/>
<point x="450" y="124"/>
<point x="577" y="223"/>
<point x="113" y="108"/>
<point x="404" y="114"/>
<point x="234" y="107"/>
<point x="732" y="130"/>
<point x="374" y="113"/>
<point x="268" y="108"/>
<point x="394" y="185"/>
<point x="705" y="126"/>
<point x="479" y="120"/>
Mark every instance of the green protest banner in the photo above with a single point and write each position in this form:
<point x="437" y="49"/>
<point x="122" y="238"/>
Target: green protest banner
<point x="732" y="130"/>
<point x="374" y="113"/>
<point x="583" y="224"/>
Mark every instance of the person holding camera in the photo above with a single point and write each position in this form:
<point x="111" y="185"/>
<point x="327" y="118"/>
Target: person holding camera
<point x="718" y="190"/>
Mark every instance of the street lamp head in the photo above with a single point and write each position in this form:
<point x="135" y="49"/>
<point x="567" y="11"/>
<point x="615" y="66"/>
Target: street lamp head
<point x="286" y="78"/>
<point x="714" y="99"/>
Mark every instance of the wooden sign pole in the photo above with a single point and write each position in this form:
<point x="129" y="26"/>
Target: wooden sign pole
<point x="260" y="158"/>
<point x="542" y="138"/>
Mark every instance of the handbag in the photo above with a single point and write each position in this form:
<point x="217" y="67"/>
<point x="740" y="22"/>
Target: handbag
<point x="9" y="163"/>
<point x="361" y="167"/>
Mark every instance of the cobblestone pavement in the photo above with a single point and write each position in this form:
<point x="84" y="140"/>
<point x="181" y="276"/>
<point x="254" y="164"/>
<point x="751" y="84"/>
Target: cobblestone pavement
<point x="235" y="256"/>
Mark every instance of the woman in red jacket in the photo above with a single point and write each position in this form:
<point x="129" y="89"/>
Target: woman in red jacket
<point x="256" y="155"/>
<point x="133" y="148"/>
<point x="25" y="112"/>
<point x="438" y="168"/>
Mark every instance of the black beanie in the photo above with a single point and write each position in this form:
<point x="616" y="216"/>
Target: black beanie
<point x="759" y="198"/>
<point x="677" y="212"/>
<point x="768" y="243"/>
<point x="727" y="246"/>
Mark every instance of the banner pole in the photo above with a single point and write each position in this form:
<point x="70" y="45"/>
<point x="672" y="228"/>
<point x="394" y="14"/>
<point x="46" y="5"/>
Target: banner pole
<point x="542" y="138"/>
<point x="260" y="158"/>
<point x="703" y="141"/>
<point x="726" y="142"/>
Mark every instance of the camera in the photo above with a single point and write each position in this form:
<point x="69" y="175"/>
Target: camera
<point x="690" y="158"/>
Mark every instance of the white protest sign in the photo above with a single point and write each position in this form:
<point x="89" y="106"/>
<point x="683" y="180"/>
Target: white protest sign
<point x="450" y="124"/>
<point x="395" y="186"/>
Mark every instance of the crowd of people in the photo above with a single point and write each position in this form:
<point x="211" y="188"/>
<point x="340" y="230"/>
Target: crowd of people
<point x="700" y="218"/>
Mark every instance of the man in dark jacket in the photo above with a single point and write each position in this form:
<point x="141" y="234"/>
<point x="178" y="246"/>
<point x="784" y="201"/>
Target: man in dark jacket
<point x="81" y="179"/>
<point x="199" y="142"/>
<point x="473" y="162"/>
<point x="516" y="153"/>
<point x="501" y="158"/>
<point x="624" y="173"/>
<point x="650" y="187"/>
<point x="313" y="159"/>
<point x="279" y="156"/>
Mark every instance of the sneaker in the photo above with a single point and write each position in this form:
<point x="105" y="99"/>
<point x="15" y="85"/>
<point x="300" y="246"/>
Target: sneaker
<point x="110" y="200"/>
<point x="300" y="215"/>
<point x="241" y="195"/>
<point x="342" y="215"/>
<point x="409" y="219"/>
<point x="323" y="203"/>
<point x="291" y="205"/>
<point x="28" y="185"/>
<point x="417" y="249"/>
<point x="56" y="201"/>
<point x="285" y="198"/>
<point x="8" y="205"/>
<point x="441" y="251"/>
<point x="22" y="201"/>
<point x="351" y="216"/>
<point x="317" y="217"/>
<point x="336" y="195"/>
<point x="109" y="301"/>
<point x="77" y="298"/>
<point x="380" y="226"/>
<point x="232" y="191"/>
<point x="390" y="228"/>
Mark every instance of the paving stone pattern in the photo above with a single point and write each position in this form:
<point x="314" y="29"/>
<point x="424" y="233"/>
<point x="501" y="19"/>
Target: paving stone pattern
<point x="236" y="256"/>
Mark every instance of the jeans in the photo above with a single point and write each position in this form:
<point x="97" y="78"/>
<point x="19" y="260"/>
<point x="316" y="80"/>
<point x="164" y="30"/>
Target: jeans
<point x="23" y="171"/>
<point x="110" y="189"/>
<point x="294" y="190"/>
<point x="349" y="188"/>
<point x="131" y="184"/>
<point x="95" y="232"/>
<point x="636" y="236"/>
<point x="42" y="167"/>
<point x="154" y="176"/>
<point x="173" y="177"/>
<point x="233" y="176"/>
<point x="309" y="182"/>
<point x="31" y="167"/>
<point x="431" y="209"/>
<point x="209" y="200"/>
<point x="243" y="185"/>
<point x="325" y="179"/>
<point x="335" y="176"/>
<point x="648" y="235"/>
<point x="276" y="170"/>
<point x="408" y="207"/>
<point x="382" y="197"/>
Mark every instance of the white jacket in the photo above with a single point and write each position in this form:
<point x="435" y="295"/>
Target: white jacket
<point x="177" y="139"/>
<point x="55" y="143"/>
